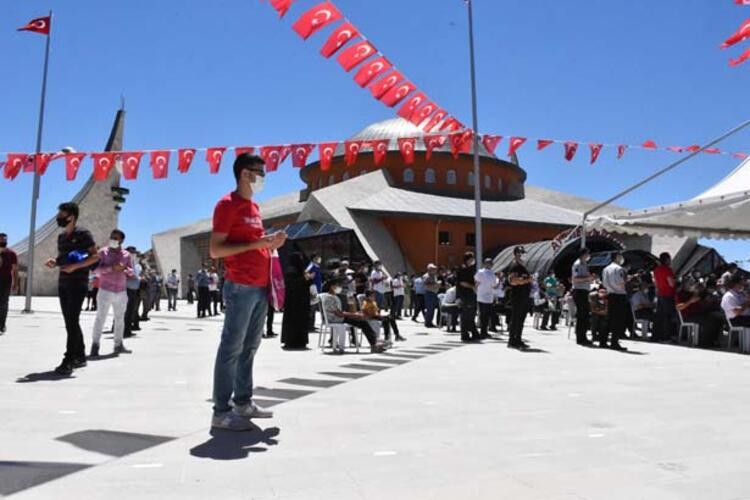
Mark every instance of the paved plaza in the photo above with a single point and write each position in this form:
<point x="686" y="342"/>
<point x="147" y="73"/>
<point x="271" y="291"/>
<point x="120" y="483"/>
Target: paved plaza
<point x="431" y="419"/>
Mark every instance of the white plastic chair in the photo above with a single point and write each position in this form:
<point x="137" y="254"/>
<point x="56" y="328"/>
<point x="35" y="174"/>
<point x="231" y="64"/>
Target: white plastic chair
<point x="743" y="337"/>
<point x="339" y="332"/>
<point x="692" y="329"/>
<point x="644" y="324"/>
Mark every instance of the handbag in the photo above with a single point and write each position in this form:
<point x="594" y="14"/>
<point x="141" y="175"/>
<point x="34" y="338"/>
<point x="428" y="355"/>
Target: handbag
<point x="276" y="287"/>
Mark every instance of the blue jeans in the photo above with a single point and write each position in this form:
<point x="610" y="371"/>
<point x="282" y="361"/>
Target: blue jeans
<point x="244" y="317"/>
<point x="430" y="304"/>
<point x="380" y="300"/>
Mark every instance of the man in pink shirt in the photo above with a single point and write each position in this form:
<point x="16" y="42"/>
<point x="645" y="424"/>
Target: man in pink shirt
<point x="115" y="266"/>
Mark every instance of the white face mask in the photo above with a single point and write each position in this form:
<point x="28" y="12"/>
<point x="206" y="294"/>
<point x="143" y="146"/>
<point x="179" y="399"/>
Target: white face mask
<point x="258" y="184"/>
<point x="337" y="290"/>
<point x="114" y="244"/>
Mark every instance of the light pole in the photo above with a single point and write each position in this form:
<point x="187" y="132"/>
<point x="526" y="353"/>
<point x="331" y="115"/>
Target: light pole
<point x="475" y="126"/>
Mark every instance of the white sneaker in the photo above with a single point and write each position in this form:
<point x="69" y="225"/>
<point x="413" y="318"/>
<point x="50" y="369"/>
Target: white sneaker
<point x="251" y="410"/>
<point x="230" y="421"/>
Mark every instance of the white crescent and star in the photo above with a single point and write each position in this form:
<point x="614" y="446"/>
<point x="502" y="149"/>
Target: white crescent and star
<point x="40" y="24"/>
<point x="327" y="15"/>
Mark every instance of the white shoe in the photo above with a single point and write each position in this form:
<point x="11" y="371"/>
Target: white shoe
<point x="230" y="421"/>
<point x="251" y="410"/>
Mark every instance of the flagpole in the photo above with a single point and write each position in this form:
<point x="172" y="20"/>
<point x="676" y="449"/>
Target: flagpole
<point x="37" y="180"/>
<point x="475" y="125"/>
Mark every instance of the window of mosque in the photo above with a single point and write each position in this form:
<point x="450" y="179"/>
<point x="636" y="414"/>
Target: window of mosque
<point x="450" y="177"/>
<point x="471" y="179"/>
<point x="331" y="180"/>
<point x="487" y="182"/>
<point x="444" y="238"/>
<point x="408" y="176"/>
<point x="471" y="239"/>
<point x="345" y="177"/>
<point x="429" y="176"/>
<point x="500" y="184"/>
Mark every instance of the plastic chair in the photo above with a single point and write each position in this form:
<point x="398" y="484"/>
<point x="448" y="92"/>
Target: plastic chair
<point x="644" y="324"/>
<point x="338" y="331"/>
<point x="743" y="337"/>
<point x="692" y="329"/>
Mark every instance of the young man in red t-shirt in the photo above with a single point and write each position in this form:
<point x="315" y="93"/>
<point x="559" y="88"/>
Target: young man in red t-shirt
<point x="666" y="311"/>
<point x="238" y="238"/>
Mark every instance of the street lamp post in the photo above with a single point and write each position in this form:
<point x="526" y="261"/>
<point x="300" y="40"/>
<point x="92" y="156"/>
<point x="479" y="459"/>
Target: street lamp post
<point x="475" y="126"/>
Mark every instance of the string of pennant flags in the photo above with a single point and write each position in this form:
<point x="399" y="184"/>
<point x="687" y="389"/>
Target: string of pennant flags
<point x="742" y="34"/>
<point x="129" y="162"/>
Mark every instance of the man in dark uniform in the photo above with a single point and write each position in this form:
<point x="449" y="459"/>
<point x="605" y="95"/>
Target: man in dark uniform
<point x="466" y="293"/>
<point x="520" y="290"/>
<point x="76" y="252"/>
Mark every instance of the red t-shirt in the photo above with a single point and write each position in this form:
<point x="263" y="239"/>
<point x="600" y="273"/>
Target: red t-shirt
<point x="240" y="220"/>
<point x="8" y="259"/>
<point x="663" y="288"/>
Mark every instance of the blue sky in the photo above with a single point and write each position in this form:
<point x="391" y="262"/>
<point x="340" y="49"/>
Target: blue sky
<point x="228" y="72"/>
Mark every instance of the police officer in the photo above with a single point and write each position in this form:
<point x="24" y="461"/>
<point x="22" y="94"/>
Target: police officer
<point x="520" y="290"/>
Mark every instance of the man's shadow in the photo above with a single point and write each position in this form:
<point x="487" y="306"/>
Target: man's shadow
<point x="233" y="445"/>
<point x="50" y="376"/>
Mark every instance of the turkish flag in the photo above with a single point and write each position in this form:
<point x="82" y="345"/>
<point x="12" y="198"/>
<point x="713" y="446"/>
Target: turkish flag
<point x="621" y="151"/>
<point x="327" y="150"/>
<point x="406" y="146"/>
<point x="72" y="164"/>
<point x="694" y="148"/>
<point x="338" y="39"/>
<point x="433" y="141"/>
<point x="491" y="141"/>
<point x="515" y="145"/>
<point x="380" y="150"/>
<point x="676" y="149"/>
<point x="397" y="93"/>
<point x="743" y="33"/>
<point x="712" y="151"/>
<point x="571" y="148"/>
<point x="243" y="149"/>
<point x="13" y="165"/>
<point x="411" y="105"/>
<point x="451" y="124"/>
<point x="300" y="152"/>
<point x="543" y="143"/>
<point x="649" y="144"/>
<point x="185" y="159"/>
<point x="213" y="157"/>
<point x="316" y="18"/>
<point x="39" y="25"/>
<point x="285" y="151"/>
<point x="379" y="88"/>
<point x="423" y="113"/>
<point x="281" y="6"/>
<point x="438" y="117"/>
<point x="742" y="2"/>
<point x="460" y="141"/>
<point x="272" y="156"/>
<point x="160" y="164"/>
<point x="741" y="156"/>
<point x="130" y="165"/>
<point x="103" y="164"/>
<point x="38" y="162"/>
<point x="372" y="70"/>
<point x="595" y="150"/>
<point x="351" y="150"/>
<point x="28" y="166"/>
<point x="743" y="57"/>
<point x="355" y="55"/>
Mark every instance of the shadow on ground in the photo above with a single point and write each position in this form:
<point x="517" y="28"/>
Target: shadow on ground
<point x="230" y="445"/>
<point x="42" y="377"/>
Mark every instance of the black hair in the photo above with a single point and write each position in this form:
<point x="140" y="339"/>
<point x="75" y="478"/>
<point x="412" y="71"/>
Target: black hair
<point x="734" y="280"/>
<point x="665" y="257"/>
<point x="585" y="251"/>
<point x="331" y="283"/>
<point x="70" y="208"/>
<point x="246" y="161"/>
<point x="468" y="256"/>
<point x="119" y="233"/>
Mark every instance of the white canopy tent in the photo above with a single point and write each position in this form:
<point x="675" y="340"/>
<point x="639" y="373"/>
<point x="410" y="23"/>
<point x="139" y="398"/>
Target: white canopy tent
<point x="721" y="212"/>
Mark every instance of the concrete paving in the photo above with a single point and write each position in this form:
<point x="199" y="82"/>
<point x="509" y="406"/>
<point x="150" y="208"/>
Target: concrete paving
<point x="431" y="419"/>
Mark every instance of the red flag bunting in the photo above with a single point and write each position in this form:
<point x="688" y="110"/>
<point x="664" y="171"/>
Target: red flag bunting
<point x="285" y="150"/>
<point x="743" y="57"/>
<point x="39" y="163"/>
<point x="240" y="150"/>
<point x="213" y="157"/>
<point x="459" y="142"/>
<point x="406" y="146"/>
<point x="595" y="150"/>
<point x="351" y="150"/>
<point x="281" y="6"/>
<point x="676" y="149"/>
<point x="338" y="39"/>
<point x="185" y="159"/>
<point x="712" y="151"/>
<point x="621" y="151"/>
<point x="742" y="2"/>
<point x="693" y="148"/>
<point x="355" y="55"/>
<point x="28" y="165"/>
<point x="72" y="164"/>
<point x="433" y="141"/>
<point x="372" y="70"/>
<point x="741" y="156"/>
<point x="272" y="156"/>
<point x="13" y="165"/>
<point x="515" y="145"/>
<point x="327" y="151"/>
<point x="397" y="93"/>
<point x="411" y="105"/>
<point x="379" y="150"/>
<point x="41" y="25"/>
<point x="649" y="144"/>
<point x="423" y="113"/>
<point x="438" y="117"/>
<point x="570" y="150"/>
<point x="490" y="142"/>
<point x="300" y="152"/>
<point x="742" y="33"/>
<point x="131" y="162"/>
<point x="451" y="125"/>
<point x="103" y="164"/>
<point x="543" y="143"/>
<point x="160" y="164"/>
<point x="379" y="88"/>
<point x="316" y="18"/>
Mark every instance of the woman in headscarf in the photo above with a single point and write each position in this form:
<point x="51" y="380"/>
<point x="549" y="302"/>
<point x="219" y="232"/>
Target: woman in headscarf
<point x="294" y="326"/>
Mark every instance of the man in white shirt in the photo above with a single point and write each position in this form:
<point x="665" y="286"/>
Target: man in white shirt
<point x="377" y="280"/>
<point x="397" y="285"/>
<point x="614" y="279"/>
<point x="582" y="280"/>
<point x="173" y="284"/>
<point x="735" y="302"/>
<point x="486" y="281"/>
<point x="451" y="306"/>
